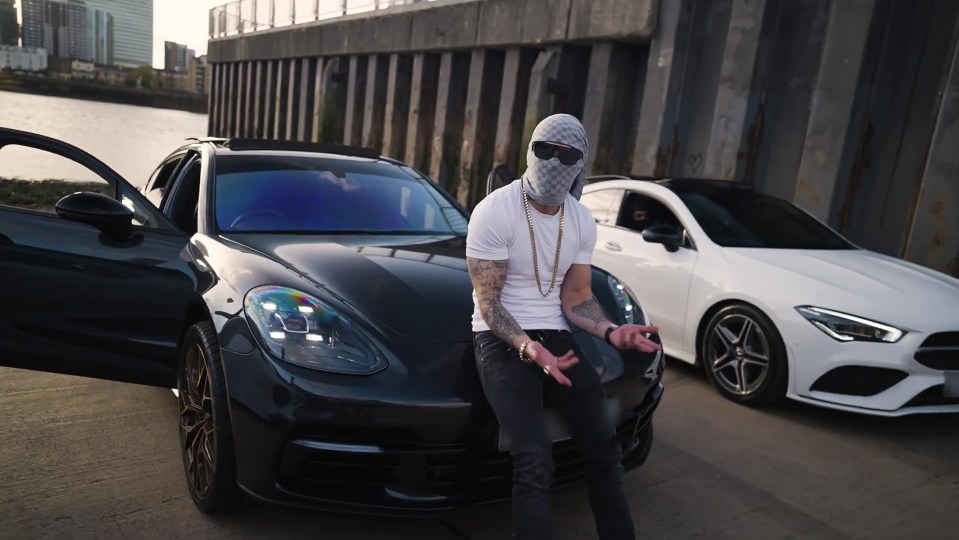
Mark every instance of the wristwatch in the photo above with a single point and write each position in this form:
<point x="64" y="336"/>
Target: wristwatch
<point x="610" y="331"/>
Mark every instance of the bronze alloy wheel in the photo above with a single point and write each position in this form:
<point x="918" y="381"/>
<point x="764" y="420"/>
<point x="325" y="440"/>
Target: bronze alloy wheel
<point x="206" y="437"/>
<point x="197" y="428"/>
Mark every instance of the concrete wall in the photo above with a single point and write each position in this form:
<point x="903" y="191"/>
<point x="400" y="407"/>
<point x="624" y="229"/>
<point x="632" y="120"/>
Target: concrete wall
<point x="846" y="107"/>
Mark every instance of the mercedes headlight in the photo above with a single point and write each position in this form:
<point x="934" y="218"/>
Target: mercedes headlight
<point x="301" y="330"/>
<point x="626" y="300"/>
<point x="844" y="327"/>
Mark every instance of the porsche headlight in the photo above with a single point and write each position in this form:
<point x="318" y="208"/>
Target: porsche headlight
<point x="301" y="330"/>
<point x="626" y="300"/>
<point x="844" y="327"/>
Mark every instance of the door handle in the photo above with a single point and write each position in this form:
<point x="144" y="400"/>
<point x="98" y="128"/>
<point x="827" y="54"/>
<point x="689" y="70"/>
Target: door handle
<point x="613" y="246"/>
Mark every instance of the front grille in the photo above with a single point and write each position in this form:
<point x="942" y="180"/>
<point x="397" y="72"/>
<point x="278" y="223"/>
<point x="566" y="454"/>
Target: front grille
<point x="940" y="351"/>
<point x="858" y="380"/>
<point x="932" y="396"/>
<point x="476" y="473"/>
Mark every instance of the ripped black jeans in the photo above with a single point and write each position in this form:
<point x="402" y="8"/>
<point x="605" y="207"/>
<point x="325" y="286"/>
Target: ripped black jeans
<point x="516" y="392"/>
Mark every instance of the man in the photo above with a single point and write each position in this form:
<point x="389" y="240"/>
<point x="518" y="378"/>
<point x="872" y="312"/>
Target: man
<point x="529" y="251"/>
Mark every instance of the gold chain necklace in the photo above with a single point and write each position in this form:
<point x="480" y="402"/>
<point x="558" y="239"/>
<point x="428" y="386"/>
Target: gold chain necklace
<point x="532" y="239"/>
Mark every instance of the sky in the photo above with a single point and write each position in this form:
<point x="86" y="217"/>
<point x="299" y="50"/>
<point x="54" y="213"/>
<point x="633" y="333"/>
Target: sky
<point x="182" y="21"/>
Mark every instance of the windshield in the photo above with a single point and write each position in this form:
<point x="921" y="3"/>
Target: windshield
<point x="740" y="218"/>
<point x="303" y="194"/>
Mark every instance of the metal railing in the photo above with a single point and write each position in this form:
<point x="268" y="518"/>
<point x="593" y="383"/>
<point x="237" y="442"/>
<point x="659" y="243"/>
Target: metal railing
<point x="243" y="16"/>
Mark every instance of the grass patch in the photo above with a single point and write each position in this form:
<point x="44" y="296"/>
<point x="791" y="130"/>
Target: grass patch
<point x="44" y="194"/>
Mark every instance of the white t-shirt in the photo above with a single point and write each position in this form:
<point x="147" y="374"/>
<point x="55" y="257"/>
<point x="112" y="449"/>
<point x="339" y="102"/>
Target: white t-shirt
<point x="498" y="230"/>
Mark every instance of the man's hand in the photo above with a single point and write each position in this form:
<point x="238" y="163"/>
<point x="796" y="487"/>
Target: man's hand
<point x="552" y="365"/>
<point x="630" y="336"/>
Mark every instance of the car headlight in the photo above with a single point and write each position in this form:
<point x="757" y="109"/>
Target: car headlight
<point x="845" y="327"/>
<point x="299" y="329"/>
<point x="626" y="300"/>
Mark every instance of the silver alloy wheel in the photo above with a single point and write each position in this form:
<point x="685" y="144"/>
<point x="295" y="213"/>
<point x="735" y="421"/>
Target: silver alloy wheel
<point x="196" y="421"/>
<point x="739" y="354"/>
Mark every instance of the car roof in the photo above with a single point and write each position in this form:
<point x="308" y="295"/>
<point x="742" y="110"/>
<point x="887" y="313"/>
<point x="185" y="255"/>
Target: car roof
<point x="674" y="183"/>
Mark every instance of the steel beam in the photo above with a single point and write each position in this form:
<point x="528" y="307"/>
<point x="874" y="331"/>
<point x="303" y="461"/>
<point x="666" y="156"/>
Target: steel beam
<point x="374" y="107"/>
<point x="512" y="106"/>
<point x="419" y="129"/>
<point x="482" y="102"/>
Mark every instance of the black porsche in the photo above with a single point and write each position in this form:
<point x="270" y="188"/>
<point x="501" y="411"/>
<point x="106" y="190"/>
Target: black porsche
<point x="311" y="306"/>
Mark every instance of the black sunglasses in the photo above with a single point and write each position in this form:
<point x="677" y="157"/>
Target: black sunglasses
<point x="547" y="150"/>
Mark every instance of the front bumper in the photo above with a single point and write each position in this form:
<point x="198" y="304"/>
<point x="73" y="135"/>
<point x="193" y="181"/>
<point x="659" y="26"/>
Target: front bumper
<point x="387" y="445"/>
<point x="883" y="379"/>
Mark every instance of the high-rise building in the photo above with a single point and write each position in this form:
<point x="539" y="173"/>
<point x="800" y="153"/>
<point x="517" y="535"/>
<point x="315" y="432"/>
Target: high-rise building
<point x="9" y="29"/>
<point x="101" y="36"/>
<point x="132" y="29"/>
<point x="59" y="26"/>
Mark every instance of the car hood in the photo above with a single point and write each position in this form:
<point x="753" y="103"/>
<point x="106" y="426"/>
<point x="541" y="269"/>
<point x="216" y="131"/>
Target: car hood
<point x="416" y="286"/>
<point x="891" y="287"/>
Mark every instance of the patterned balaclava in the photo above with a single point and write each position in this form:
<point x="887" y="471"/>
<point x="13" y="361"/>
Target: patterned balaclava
<point x="548" y="182"/>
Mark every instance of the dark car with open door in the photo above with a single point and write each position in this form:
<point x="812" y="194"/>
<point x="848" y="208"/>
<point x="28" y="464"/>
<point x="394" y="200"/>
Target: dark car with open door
<point x="311" y="306"/>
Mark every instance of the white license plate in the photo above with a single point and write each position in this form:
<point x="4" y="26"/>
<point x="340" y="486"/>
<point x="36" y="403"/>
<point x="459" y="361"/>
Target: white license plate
<point x="951" y="388"/>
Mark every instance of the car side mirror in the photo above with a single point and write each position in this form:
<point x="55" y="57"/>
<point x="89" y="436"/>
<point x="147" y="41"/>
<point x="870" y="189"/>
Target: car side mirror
<point x="103" y="212"/>
<point x="667" y="235"/>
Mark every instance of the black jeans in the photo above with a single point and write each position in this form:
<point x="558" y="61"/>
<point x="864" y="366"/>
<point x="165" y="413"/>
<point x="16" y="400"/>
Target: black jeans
<point x="516" y="392"/>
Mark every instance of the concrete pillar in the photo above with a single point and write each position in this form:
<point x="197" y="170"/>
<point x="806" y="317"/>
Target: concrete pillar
<point x="240" y="99"/>
<point x="215" y="102"/>
<point x="601" y="87"/>
<point x="396" y="114"/>
<point x="448" y="123"/>
<point x="293" y="66"/>
<point x="246" y="118"/>
<point x="657" y="132"/>
<point x="230" y="98"/>
<point x="540" y="102"/>
<point x="934" y="236"/>
<point x="378" y="68"/>
<point x="304" y="108"/>
<point x="269" y="108"/>
<point x="833" y="96"/>
<point x="330" y="101"/>
<point x="482" y="104"/>
<point x="419" y="129"/>
<point x="355" y="94"/>
<point x="735" y="84"/>
<point x="257" y="118"/>
<point x="518" y="64"/>
<point x="279" y="100"/>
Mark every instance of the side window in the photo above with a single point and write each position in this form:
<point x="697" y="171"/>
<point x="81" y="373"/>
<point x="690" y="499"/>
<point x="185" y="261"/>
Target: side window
<point x="602" y="204"/>
<point x="161" y="178"/>
<point x="32" y="179"/>
<point x="639" y="212"/>
<point x="182" y="201"/>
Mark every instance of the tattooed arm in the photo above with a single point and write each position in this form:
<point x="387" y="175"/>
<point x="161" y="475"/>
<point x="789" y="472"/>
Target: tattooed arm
<point x="584" y="311"/>
<point x="578" y="302"/>
<point x="488" y="278"/>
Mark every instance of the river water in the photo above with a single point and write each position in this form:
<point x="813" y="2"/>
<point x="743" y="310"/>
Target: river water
<point x="131" y="140"/>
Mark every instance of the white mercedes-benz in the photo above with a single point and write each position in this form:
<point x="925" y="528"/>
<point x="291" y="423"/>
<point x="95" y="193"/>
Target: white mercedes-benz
<point x="773" y="303"/>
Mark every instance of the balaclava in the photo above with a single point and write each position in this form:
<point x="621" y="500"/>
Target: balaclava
<point x="547" y="182"/>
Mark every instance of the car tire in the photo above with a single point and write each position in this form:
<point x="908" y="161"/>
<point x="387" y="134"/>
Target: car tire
<point x="206" y="438"/>
<point x="744" y="357"/>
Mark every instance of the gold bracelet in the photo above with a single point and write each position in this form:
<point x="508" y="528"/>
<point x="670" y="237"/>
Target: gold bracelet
<point x="522" y="352"/>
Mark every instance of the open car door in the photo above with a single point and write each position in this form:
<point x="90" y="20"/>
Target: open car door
<point x="96" y="287"/>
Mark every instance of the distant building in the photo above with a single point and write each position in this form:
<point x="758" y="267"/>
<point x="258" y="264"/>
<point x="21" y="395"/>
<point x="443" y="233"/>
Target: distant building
<point x="59" y="26"/>
<point x="101" y="35"/>
<point x="9" y="29"/>
<point x="175" y="57"/>
<point x="132" y="30"/>
<point x="199" y="73"/>
<point x="22" y="58"/>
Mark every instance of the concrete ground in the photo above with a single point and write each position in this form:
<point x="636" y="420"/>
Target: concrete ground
<point x="81" y="458"/>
